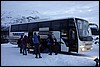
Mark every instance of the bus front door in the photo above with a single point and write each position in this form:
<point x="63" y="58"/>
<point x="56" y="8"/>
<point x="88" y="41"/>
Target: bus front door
<point x="73" y="40"/>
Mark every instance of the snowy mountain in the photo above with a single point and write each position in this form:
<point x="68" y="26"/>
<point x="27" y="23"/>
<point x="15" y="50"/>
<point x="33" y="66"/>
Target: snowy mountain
<point x="8" y="18"/>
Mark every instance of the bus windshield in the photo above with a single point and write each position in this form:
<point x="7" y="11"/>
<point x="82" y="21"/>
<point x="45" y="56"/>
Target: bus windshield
<point x="83" y="30"/>
<point x="83" y="27"/>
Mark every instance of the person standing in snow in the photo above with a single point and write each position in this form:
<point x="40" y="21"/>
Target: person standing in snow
<point x="55" y="46"/>
<point x="50" y="43"/>
<point x="24" y="44"/>
<point x="20" y="43"/>
<point x="37" y="45"/>
<point x="30" y="43"/>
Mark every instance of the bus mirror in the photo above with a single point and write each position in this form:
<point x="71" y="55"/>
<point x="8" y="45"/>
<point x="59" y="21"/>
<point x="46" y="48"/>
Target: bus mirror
<point x="96" y="38"/>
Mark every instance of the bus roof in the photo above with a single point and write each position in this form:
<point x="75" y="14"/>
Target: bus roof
<point x="49" y="20"/>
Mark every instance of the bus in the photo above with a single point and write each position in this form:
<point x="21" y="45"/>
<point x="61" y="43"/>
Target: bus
<point x="94" y="28"/>
<point x="62" y="29"/>
<point x="95" y="32"/>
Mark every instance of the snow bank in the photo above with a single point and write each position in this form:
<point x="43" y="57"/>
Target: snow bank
<point x="9" y="45"/>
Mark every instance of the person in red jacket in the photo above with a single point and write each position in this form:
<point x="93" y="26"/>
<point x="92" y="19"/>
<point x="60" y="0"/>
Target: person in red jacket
<point x="24" y="44"/>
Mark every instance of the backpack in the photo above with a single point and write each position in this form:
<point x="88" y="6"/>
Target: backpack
<point x="48" y="42"/>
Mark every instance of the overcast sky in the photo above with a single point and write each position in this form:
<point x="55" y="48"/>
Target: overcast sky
<point x="55" y="9"/>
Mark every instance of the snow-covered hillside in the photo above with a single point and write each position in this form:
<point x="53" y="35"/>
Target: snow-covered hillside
<point x="26" y="16"/>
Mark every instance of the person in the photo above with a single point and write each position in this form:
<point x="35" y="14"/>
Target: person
<point x="20" y="43"/>
<point x="72" y="33"/>
<point x="39" y="37"/>
<point x="72" y="38"/>
<point x="50" y="43"/>
<point x="24" y="45"/>
<point x="37" y="45"/>
<point x="55" y="45"/>
<point x="30" y="43"/>
<point x="40" y="42"/>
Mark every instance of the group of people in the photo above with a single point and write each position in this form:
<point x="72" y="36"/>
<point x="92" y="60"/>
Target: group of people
<point x="22" y="43"/>
<point x="52" y="44"/>
<point x="36" y="42"/>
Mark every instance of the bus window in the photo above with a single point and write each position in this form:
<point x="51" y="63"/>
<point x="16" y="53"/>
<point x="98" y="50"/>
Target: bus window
<point x="83" y="30"/>
<point x="14" y="28"/>
<point x="23" y="27"/>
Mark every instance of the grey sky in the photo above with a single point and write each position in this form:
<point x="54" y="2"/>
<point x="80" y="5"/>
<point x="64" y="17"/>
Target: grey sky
<point x="54" y="9"/>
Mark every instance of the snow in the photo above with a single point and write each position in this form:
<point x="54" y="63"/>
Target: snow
<point x="10" y="56"/>
<point x="94" y="53"/>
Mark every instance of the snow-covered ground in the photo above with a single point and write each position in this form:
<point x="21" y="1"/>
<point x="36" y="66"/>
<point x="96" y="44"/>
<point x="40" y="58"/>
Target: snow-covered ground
<point x="10" y="56"/>
<point x="94" y="53"/>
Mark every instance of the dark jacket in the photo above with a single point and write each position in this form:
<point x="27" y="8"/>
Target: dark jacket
<point x="50" y="41"/>
<point x="24" y="42"/>
<point x="19" y="42"/>
<point x="30" y="41"/>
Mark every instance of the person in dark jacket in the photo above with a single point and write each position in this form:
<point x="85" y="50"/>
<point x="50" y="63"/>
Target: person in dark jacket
<point x="20" y="43"/>
<point x="37" y="45"/>
<point x="50" y="44"/>
<point x="30" y="43"/>
<point x="24" y="44"/>
<point x="55" y="46"/>
<point x="72" y="38"/>
<point x="39" y="37"/>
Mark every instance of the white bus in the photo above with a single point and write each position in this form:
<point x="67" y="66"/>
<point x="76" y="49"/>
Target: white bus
<point x="62" y="30"/>
<point x="95" y="32"/>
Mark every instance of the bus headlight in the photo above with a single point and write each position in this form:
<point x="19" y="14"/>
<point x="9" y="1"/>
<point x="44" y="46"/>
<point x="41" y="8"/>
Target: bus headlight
<point x="83" y="49"/>
<point x="91" y="48"/>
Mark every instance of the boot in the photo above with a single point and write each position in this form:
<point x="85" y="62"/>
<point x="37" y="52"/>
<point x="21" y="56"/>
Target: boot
<point x="40" y="57"/>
